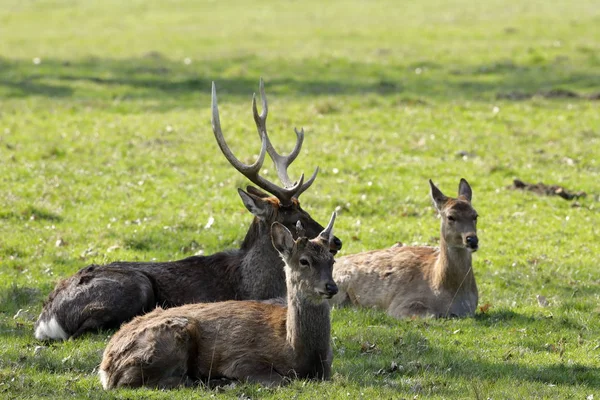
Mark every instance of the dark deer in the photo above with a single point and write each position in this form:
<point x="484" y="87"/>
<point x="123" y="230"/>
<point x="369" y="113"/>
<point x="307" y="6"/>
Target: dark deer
<point x="105" y="296"/>
<point x="418" y="280"/>
<point x="247" y="341"/>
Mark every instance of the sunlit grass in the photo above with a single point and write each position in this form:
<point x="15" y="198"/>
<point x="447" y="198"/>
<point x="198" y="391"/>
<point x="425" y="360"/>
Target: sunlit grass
<point x="107" y="154"/>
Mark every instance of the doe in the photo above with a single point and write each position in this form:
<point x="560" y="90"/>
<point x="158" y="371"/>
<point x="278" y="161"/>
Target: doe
<point x="247" y="340"/>
<point x="419" y="280"/>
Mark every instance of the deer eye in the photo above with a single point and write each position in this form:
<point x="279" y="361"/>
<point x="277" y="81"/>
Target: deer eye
<point x="304" y="262"/>
<point x="451" y="218"/>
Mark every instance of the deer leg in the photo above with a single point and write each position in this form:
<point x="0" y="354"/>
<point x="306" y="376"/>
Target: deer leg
<point x="150" y="355"/>
<point x="265" y="375"/>
<point x="269" y="378"/>
<point x="111" y="312"/>
<point x="408" y="308"/>
<point x="171" y="382"/>
<point x="92" y="299"/>
<point x="90" y="324"/>
<point x="214" y="383"/>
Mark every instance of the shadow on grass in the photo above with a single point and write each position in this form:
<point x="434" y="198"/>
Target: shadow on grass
<point x="418" y="358"/>
<point x="420" y="364"/>
<point x="161" y="79"/>
<point x="561" y="373"/>
<point x="14" y="298"/>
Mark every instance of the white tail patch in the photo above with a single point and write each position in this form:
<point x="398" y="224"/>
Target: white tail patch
<point x="50" y="330"/>
<point x="103" y="378"/>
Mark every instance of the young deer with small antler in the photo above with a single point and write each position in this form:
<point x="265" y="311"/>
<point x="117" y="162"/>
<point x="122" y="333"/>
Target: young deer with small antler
<point x="105" y="296"/>
<point x="419" y="280"/>
<point x="245" y="340"/>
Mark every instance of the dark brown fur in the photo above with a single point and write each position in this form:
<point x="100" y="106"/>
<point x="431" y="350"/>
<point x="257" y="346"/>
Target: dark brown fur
<point x="105" y="296"/>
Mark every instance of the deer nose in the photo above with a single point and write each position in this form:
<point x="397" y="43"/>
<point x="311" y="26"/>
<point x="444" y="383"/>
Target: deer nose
<point x="472" y="242"/>
<point x="331" y="289"/>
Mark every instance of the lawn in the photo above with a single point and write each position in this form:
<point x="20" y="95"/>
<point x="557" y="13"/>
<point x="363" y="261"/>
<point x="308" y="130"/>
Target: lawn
<point x="107" y="154"/>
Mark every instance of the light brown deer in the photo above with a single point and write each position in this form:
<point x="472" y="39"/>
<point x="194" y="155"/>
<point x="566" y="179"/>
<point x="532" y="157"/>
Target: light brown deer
<point x="246" y="340"/>
<point x="105" y="296"/>
<point x="418" y="280"/>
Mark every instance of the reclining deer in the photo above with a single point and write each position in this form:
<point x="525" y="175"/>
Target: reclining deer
<point x="244" y="340"/>
<point x="418" y="280"/>
<point x="105" y="296"/>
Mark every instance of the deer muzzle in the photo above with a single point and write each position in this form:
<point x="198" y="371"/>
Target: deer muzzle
<point x="331" y="290"/>
<point x="472" y="242"/>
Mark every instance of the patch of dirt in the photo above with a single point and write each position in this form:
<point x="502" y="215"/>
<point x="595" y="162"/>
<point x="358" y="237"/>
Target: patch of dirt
<point x="516" y="95"/>
<point x="594" y="96"/>
<point x="546" y="190"/>
<point x="559" y="94"/>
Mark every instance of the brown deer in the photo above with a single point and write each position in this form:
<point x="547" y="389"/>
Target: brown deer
<point x="104" y="296"/>
<point x="245" y="340"/>
<point x="418" y="280"/>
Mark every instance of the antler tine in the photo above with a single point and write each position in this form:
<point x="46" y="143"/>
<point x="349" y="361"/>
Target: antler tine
<point x="251" y="171"/>
<point x="300" y="232"/>
<point x="281" y="162"/>
<point x="307" y="184"/>
<point x="245" y="169"/>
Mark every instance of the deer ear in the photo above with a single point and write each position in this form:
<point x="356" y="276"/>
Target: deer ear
<point x="255" y="204"/>
<point x="437" y="196"/>
<point x="464" y="190"/>
<point x="282" y="239"/>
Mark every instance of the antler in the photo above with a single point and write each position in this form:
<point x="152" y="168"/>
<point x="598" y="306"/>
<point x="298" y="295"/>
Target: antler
<point x="251" y="172"/>
<point x="281" y="162"/>
<point x="300" y="231"/>
<point x="327" y="234"/>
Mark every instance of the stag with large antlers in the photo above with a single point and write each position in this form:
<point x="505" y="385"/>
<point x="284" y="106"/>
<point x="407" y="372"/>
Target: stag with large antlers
<point x="418" y="280"/>
<point x="104" y="296"/>
<point x="247" y="340"/>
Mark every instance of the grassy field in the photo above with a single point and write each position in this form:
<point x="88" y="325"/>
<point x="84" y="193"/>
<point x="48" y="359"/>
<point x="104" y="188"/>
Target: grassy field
<point x="107" y="154"/>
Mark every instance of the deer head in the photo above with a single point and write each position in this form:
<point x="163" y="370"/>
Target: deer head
<point x="280" y="203"/>
<point x="459" y="218"/>
<point x="309" y="263"/>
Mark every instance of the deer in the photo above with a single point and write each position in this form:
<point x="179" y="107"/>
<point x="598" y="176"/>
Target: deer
<point x="409" y="281"/>
<point x="104" y="296"/>
<point x="248" y="341"/>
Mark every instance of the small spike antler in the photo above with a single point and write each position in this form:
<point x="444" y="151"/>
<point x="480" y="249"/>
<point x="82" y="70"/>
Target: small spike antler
<point x="300" y="232"/>
<point x="327" y="234"/>
<point x="252" y="172"/>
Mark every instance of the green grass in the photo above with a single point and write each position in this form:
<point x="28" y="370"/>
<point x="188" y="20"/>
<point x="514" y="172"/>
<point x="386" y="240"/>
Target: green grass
<point x="107" y="154"/>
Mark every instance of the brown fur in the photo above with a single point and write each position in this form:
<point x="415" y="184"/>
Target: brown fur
<point x="104" y="296"/>
<point x="247" y="340"/>
<point x="418" y="280"/>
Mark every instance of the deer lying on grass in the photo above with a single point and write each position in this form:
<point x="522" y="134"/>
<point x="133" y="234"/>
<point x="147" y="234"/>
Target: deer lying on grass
<point x="105" y="296"/>
<point x="418" y="280"/>
<point x="245" y="340"/>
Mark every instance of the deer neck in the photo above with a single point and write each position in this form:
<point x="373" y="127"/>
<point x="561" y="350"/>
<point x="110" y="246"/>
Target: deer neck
<point x="308" y="332"/>
<point x="262" y="268"/>
<point x="453" y="268"/>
